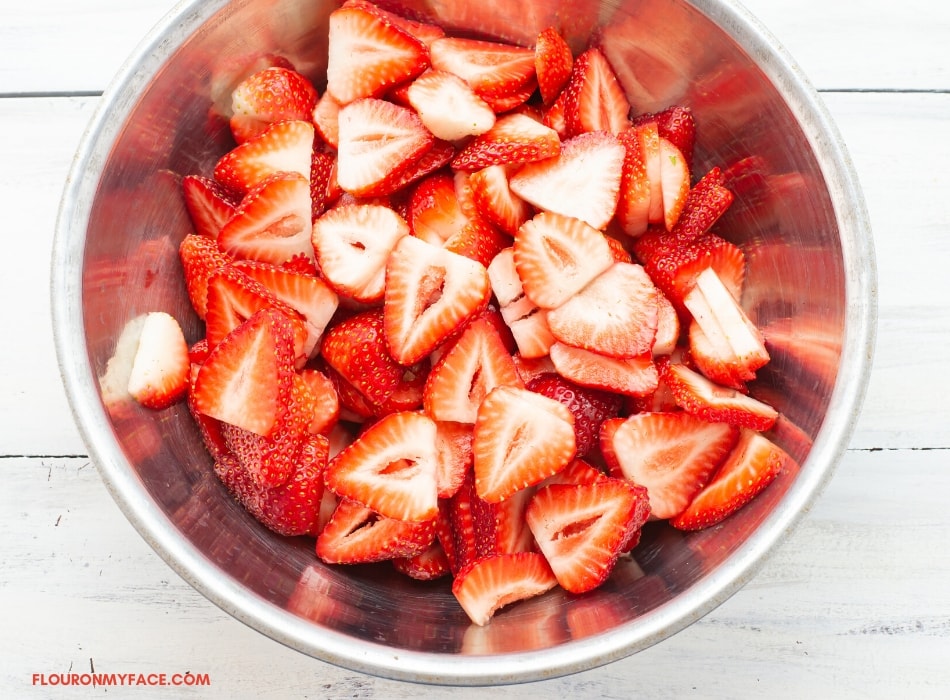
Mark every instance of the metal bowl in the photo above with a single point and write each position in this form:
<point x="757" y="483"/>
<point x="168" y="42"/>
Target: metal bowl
<point x="811" y="286"/>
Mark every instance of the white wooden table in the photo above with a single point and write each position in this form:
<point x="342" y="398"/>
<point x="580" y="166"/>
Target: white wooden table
<point x="856" y="604"/>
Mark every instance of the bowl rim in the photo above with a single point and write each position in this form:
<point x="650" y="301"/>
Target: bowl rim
<point x="94" y="426"/>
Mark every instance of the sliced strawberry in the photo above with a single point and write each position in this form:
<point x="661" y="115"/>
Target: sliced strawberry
<point x="358" y="535"/>
<point x="554" y="115"/>
<point x="702" y="398"/>
<point x="583" y="181"/>
<point x="514" y="138"/>
<point x="326" y="119"/>
<point x="423" y="31"/>
<point x="200" y="258"/>
<point x="595" y="100"/>
<point x="391" y="468"/>
<point x="674" y="174"/>
<point x="453" y="443"/>
<point x="356" y="348"/>
<point x="577" y="472"/>
<point x="273" y="222"/>
<point x="495" y="201"/>
<point x="305" y="293"/>
<point x="434" y="211"/>
<point x="677" y="125"/>
<point x="324" y="189"/>
<point x="672" y="454"/>
<point x="271" y="95"/>
<point x="509" y="102"/>
<point x="282" y="147"/>
<point x="247" y="377"/>
<point x="492" y="69"/>
<point x="478" y="240"/>
<point x="581" y="529"/>
<point x="448" y="106"/>
<point x="556" y="256"/>
<point x="728" y="342"/>
<point x="456" y="525"/>
<point x="633" y="376"/>
<point x="430" y="292"/>
<point x="352" y="244"/>
<point x="464" y="376"/>
<point x="161" y="367"/>
<point x="751" y="466"/>
<point x="425" y="566"/>
<point x="706" y="202"/>
<point x="500" y="528"/>
<point x="378" y="142"/>
<point x="521" y="438"/>
<point x="615" y="315"/>
<point x="529" y="328"/>
<point x="489" y="584"/>
<point x="428" y="163"/>
<point x="367" y="54"/>
<point x="667" y="326"/>
<point x="326" y="401"/>
<point x="553" y="61"/>
<point x="209" y="204"/>
<point x="590" y="407"/>
<point x="633" y="206"/>
<point x="649" y="136"/>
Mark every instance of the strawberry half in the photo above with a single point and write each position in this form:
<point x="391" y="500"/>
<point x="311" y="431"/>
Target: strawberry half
<point x="752" y="465"/>
<point x="430" y="292"/>
<point x="161" y="367"/>
<point x="273" y="222"/>
<point x="672" y="454"/>
<point x="282" y="147"/>
<point x="521" y="438"/>
<point x="553" y="61"/>
<point x="581" y="529"/>
<point x="390" y="468"/>
<point x="356" y="534"/>
<point x="594" y="98"/>
<point x="515" y="138"/>
<point x="378" y="142"/>
<point x="487" y="585"/>
<point x="367" y="54"/>
<point x="352" y="244"/>
<point x="271" y="95"/>
<point x="448" y="106"/>
<point x="583" y="181"/>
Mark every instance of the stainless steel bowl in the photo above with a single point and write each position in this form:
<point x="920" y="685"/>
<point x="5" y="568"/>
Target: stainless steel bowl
<point x="811" y="286"/>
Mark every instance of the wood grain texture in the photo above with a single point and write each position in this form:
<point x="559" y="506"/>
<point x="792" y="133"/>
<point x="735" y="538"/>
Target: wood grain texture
<point x="855" y="604"/>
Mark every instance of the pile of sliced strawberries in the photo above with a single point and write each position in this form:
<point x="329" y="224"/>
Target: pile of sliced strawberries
<point x="466" y="311"/>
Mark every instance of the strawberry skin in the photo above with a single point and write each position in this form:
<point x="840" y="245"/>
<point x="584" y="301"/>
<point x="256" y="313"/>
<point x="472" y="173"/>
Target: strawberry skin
<point x="751" y="466"/>
<point x="492" y="69"/>
<point x="515" y="138"/>
<point x="553" y="61"/>
<point x="590" y="407"/>
<point x="200" y="258"/>
<point x="271" y="95"/>
<point x="594" y="99"/>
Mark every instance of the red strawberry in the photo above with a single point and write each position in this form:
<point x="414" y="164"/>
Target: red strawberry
<point x="478" y="240"/>
<point x="209" y="204"/>
<point x="615" y="315"/>
<point x="326" y="116"/>
<point x="677" y="125"/>
<point x="324" y="189"/>
<point x="633" y="206"/>
<point x="581" y="529"/>
<point x="632" y="376"/>
<point x="247" y="378"/>
<point x="492" y="69"/>
<point x="697" y="395"/>
<point x="475" y="364"/>
<point x="306" y="294"/>
<point x="514" y="138"/>
<point x="577" y="472"/>
<point x="378" y="143"/>
<point x="556" y="256"/>
<point x="448" y="106"/>
<point x="200" y="258"/>
<point x="356" y="348"/>
<point x="553" y="62"/>
<point x="430" y="292"/>
<point x="434" y="211"/>
<point x="425" y="566"/>
<point x="423" y="31"/>
<point x="271" y="95"/>
<point x="485" y="586"/>
<point x="527" y="323"/>
<point x="595" y="100"/>
<point x="161" y="367"/>
<point x="273" y="222"/>
<point x="667" y="326"/>
<point x="352" y="244"/>
<point x="357" y="535"/>
<point x="589" y="406"/>
<point x="582" y="182"/>
<point x="521" y="438"/>
<point x="706" y="202"/>
<point x="282" y="147"/>
<point x="674" y="176"/>
<point x="390" y="468"/>
<point x="554" y="115"/>
<point x="672" y="454"/>
<point x="495" y="201"/>
<point x="751" y="466"/>
<point x="367" y="54"/>
<point x="326" y="401"/>
<point x="500" y="528"/>
<point x="453" y="442"/>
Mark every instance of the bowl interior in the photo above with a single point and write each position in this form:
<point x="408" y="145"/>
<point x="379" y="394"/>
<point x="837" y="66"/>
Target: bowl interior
<point x="123" y="218"/>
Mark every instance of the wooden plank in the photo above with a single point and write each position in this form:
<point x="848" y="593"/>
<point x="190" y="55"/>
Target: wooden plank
<point x="846" y="44"/>
<point x="854" y="604"/>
